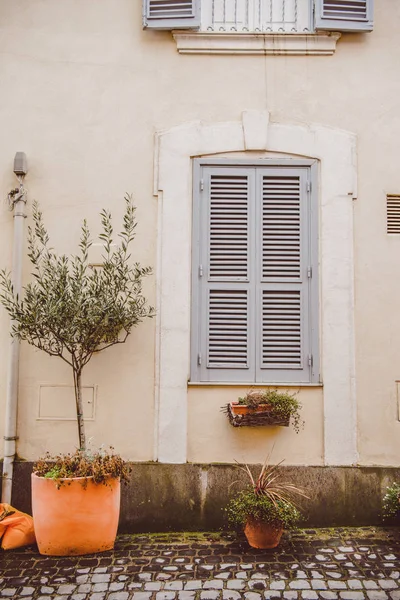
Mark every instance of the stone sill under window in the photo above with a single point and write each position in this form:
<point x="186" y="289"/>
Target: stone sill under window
<point x="253" y="385"/>
<point x="297" y="44"/>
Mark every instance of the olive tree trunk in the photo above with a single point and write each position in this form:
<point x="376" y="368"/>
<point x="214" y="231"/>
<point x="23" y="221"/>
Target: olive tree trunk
<point x="79" y="408"/>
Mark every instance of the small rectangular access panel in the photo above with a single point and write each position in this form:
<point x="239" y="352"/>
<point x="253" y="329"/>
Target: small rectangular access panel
<point x="57" y="402"/>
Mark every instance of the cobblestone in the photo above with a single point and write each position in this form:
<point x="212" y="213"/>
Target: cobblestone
<point x="317" y="584"/>
<point x="230" y="595"/>
<point x="341" y="564"/>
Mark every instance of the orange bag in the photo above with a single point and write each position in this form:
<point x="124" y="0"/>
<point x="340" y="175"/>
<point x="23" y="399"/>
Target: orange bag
<point x="16" y="528"/>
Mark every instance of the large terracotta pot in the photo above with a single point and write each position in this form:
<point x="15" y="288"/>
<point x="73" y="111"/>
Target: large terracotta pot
<point x="73" y="519"/>
<point x="262" y="535"/>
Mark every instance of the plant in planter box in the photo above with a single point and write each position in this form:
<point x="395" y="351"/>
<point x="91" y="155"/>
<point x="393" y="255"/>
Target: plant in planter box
<point x="73" y="311"/>
<point x="264" y="508"/>
<point x="266" y="407"/>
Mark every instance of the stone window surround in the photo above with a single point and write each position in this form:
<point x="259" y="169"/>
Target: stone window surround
<point x="335" y="150"/>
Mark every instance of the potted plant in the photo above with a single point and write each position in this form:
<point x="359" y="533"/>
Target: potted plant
<point x="73" y="311"/>
<point x="265" y="407"/>
<point x="391" y="502"/>
<point x="265" y="507"/>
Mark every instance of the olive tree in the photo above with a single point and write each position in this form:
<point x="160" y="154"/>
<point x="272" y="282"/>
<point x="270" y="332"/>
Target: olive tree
<point x="72" y="309"/>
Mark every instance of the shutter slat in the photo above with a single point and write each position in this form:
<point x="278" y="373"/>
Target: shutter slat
<point x="170" y="9"/>
<point x="227" y="329"/>
<point x="342" y="9"/>
<point x="171" y="14"/>
<point x="281" y="328"/>
<point x="229" y="223"/>
<point x="344" y="15"/>
<point x="393" y="213"/>
<point x="281" y="227"/>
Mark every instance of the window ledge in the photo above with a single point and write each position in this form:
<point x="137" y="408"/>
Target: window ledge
<point x="194" y="42"/>
<point x="253" y="385"/>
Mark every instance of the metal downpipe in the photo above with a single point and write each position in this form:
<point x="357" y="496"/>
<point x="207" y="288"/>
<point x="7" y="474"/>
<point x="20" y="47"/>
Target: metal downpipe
<point x="10" y="430"/>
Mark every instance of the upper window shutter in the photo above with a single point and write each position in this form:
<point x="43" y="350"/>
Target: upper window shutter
<point x="344" y="15"/>
<point x="284" y="271"/>
<point x="171" y="14"/>
<point x="221" y="277"/>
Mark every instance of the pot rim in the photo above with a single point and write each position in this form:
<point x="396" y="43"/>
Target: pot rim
<point x="34" y="474"/>
<point x="277" y="525"/>
<point x="236" y="403"/>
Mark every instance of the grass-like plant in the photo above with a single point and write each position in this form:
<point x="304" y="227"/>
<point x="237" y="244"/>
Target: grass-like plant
<point x="72" y="310"/>
<point x="391" y="502"/>
<point x="282" y="404"/>
<point x="266" y="499"/>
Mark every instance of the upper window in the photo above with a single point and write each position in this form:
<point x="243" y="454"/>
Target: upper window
<point x="279" y="16"/>
<point x="255" y="292"/>
<point x="255" y="16"/>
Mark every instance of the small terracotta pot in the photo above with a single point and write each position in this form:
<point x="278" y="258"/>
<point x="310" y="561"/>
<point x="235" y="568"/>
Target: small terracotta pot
<point x="262" y="535"/>
<point x="73" y="519"/>
<point x="243" y="409"/>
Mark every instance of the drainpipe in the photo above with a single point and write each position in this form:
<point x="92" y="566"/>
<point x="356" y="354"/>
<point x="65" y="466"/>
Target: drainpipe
<point x="17" y="201"/>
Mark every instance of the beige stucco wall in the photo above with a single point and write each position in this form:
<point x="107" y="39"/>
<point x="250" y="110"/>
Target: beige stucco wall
<point x="212" y="439"/>
<point x="83" y="91"/>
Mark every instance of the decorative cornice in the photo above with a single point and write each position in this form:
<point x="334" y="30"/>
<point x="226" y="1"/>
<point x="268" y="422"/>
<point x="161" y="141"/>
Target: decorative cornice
<point x="296" y="44"/>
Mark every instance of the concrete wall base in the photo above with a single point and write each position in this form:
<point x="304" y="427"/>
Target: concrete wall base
<point x="163" y="497"/>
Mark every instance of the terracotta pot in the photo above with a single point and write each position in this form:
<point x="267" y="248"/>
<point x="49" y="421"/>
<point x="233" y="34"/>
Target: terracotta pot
<point x="243" y="409"/>
<point x="74" y="520"/>
<point x="262" y="535"/>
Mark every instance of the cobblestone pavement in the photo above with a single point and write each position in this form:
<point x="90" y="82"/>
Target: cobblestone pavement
<point x="343" y="564"/>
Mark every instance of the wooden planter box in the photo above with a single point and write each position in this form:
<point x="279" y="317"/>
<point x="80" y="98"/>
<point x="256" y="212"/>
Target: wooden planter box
<point x="240" y="415"/>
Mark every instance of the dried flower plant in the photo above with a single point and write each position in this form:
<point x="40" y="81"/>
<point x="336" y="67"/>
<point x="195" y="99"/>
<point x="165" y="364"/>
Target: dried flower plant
<point x="99" y="466"/>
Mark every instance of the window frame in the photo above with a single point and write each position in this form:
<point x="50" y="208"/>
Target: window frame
<point x="312" y="249"/>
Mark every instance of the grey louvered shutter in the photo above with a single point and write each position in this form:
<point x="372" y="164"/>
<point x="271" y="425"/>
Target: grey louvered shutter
<point x="222" y="277"/>
<point x="344" y="15"/>
<point x="254" y="275"/>
<point x="171" y="14"/>
<point x="284" y="352"/>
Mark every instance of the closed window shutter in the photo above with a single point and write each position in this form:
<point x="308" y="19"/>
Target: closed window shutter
<point x="253" y="288"/>
<point x="171" y="14"/>
<point x="283" y="347"/>
<point x="224" y="276"/>
<point x="344" y="15"/>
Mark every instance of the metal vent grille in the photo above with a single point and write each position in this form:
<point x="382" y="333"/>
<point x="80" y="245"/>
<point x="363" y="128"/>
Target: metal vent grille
<point x="281" y="329"/>
<point x="170" y="9"/>
<point x="393" y="213"/>
<point x="281" y="227"/>
<point x="228" y="328"/>
<point x="345" y="9"/>
<point x="228" y="227"/>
